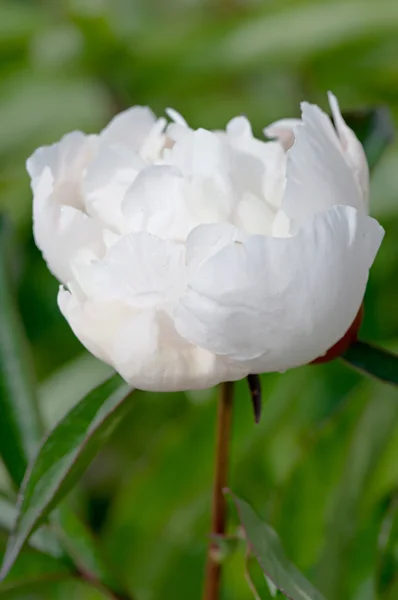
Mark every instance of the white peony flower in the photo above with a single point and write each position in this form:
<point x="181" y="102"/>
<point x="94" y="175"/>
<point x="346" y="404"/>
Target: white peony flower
<point x="188" y="257"/>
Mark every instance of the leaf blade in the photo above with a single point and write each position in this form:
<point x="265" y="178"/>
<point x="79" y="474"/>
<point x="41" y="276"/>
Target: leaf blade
<point x="270" y="555"/>
<point x="20" y="426"/>
<point x="373" y="361"/>
<point x="374" y="129"/>
<point x="63" y="457"/>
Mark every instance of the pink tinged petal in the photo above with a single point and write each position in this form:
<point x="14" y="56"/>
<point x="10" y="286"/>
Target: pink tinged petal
<point x="283" y="131"/>
<point x="139" y="270"/>
<point x="318" y="177"/>
<point x="352" y="149"/>
<point x="276" y="303"/>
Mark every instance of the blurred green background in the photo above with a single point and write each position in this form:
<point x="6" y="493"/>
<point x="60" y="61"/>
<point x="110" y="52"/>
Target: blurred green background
<point x="322" y="466"/>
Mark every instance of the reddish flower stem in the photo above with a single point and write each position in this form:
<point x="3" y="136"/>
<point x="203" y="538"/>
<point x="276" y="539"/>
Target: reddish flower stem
<point x="219" y="508"/>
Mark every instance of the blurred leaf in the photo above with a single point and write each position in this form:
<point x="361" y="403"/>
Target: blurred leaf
<point x="84" y="551"/>
<point x="18" y="21"/>
<point x="375" y="130"/>
<point x="301" y="507"/>
<point x="33" y="568"/>
<point x="60" y="392"/>
<point x="265" y="545"/>
<point x="369" y="440"/>
<point x="388" y="549"/>
<point x="42" y="540"/>
<point x="302" y="31"/>
<point x="42" y="561"/>
<point x="64" y="456"/>
<point x="36" y="108"/>
<point x="19" y="423"/>
<point x="374" y="361"/>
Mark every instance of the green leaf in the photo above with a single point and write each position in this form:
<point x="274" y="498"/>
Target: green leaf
<point x="20" y="427"/>
<point x="33" y="568"/>
<point x="388" y="548"/>
<point x="375" y="130"/>
<point x="267" y="548"/>
<point x="85" y="552"/>
<point x="369" y="440"/>
<point x="42" y="540"/>
<point x="374" y="361"/>
<point x="63" y="458"/>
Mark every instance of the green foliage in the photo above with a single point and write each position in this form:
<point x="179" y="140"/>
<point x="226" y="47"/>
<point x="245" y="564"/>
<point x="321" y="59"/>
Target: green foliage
<point x="375" y="361"/>
<point x="267" y="548"/>
<point x="19" y="422"/>
<point x="63" y="458"/>
<point x="321" y="466"/>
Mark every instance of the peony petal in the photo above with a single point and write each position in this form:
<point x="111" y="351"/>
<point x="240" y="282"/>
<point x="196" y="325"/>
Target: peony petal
<point x="156" y="203"/>
<point x="352" y="149"/>
<point x="140" y="270"/>
<point x="283" y="131"/>
<point x="318" y="176"/>
<point x="281" y="302"/>
<point x="129" y="128"/>
<point x="264" y="177"/>
<point x="254" y="215"/>
<point x="107" y="179"/>
<point x="60" y="226"/>
<point x="144" y="346"/>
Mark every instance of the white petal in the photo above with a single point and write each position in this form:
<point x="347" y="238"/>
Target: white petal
<point x="176" y="117"/>
<point x="352" y="149"/>
<point x="282" y="302"/>
<point x="156" y="203"/>
<point x="129" y="128"/>
<point x="239" y="127"/>
<point x="254" y="215"/>
<point x="60" y="225"/>
<point x="106" y="182"/>
<point x="139" y="270"/>
<point x="264" y="177"/>
<point x="283" y="131"/>
<point x="60" y="232"/>
<point x="206" y="240"/>
<point x="144" y="347"/>
<point x="66" y="161"/>
<point x="318" y="176"/>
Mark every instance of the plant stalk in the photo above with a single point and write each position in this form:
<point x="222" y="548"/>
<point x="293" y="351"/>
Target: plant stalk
<point x="219" y="505"/>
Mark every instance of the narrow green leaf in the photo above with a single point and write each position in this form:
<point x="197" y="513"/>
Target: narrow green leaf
<point x="369" y="440"/>
<point x="374" y="361"/>
<point x="63" y="458"/>
<point x="85" y="552"/>
<point x="42" y="540"/>
<point x="267" y="548"/>
<point x="33" y="568"/>
<point x="375" y="130"/>
<point x="388" y="549"/>
<point x="20" y="427"/>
